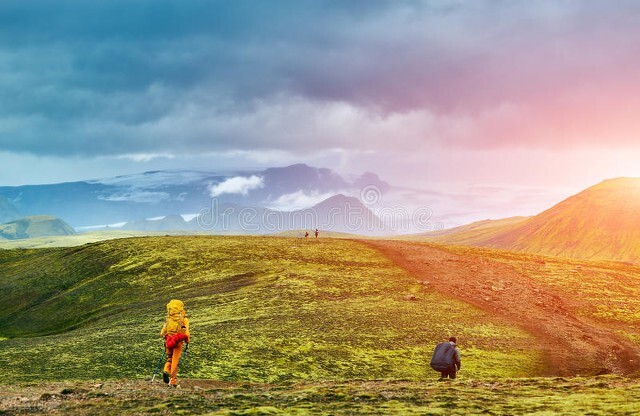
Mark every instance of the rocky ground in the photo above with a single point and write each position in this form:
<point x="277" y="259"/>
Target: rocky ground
<point x="604" y="395"/>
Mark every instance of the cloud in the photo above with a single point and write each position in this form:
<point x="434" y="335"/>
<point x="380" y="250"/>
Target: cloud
<point x="237" y="185"/>
<point x="166" y="78"/>
<point x="417" y="91"/>
<point x="459" y="204"/>
<point x="145" y="157"/>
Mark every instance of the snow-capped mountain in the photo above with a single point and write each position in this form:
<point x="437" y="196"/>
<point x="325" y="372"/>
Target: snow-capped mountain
<point x="156" y="194"/>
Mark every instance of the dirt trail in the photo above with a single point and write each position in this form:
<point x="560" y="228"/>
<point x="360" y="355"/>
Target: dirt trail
<point x="572" y="345"/>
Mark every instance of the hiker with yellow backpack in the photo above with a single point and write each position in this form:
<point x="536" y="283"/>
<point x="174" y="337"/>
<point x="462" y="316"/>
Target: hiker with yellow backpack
<point x="176" y="333"/>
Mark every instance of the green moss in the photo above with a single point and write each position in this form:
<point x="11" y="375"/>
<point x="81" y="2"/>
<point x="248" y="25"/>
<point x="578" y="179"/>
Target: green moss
<point x="262" y="309"/>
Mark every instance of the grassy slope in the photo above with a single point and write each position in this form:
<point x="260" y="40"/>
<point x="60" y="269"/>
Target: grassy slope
<point x="80" y="239"/>
<point x="323" y="234"/>
<point x="475" y="233"/>
<point x="263" y="309"/>
<point x="606" y="291"/>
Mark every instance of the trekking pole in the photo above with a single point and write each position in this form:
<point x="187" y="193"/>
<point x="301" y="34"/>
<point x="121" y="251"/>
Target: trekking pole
<point x="184" y="354"/>
<point x="155" y="373"/>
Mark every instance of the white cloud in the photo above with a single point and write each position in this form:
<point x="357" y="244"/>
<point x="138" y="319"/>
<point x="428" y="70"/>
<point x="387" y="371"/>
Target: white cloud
<point x="155" y="179"/>
<point x="237" y="185"/>
<point x="298" y="200"/>
<point x="145" y="157"/>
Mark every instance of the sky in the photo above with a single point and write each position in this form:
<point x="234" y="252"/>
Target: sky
<point x="479" y="109"/>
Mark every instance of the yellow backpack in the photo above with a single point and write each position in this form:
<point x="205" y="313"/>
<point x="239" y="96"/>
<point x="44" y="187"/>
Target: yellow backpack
<point x="175" y="317"/>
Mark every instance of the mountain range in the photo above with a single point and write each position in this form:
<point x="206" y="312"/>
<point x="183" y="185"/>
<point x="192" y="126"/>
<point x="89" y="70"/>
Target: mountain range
<point x="601" y="222"/>
<point x="338" y="213"/>
<point x="135" y="198"/>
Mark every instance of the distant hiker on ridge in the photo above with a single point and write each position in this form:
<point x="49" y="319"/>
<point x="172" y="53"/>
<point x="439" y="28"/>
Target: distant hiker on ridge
<point x="317" y="232"/>
<point x="175" y="332"/>
<point x="446" y="359"/>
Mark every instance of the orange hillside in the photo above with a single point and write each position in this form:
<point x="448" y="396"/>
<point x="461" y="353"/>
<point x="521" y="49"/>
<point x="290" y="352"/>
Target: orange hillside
<point x="601" y="222"/>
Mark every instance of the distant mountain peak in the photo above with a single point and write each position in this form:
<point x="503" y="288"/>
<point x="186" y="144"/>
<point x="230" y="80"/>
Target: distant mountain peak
<point x="35" y="226"/>
<point x="339" y="199"/>
<point x="348" y="214"/>
<point x="622" y="180"/>
<point x="622" y="183"/>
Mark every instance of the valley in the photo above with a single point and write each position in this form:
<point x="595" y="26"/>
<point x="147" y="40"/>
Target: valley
<point x="283" y="324"/>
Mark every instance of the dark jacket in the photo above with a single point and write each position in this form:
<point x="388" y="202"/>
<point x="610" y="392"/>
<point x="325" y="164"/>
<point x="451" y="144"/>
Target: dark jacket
<point x="446" y="356"/>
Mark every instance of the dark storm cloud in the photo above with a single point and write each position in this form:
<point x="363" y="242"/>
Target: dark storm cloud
<point x="120" y="77"/>
<point x="97" y="77"/>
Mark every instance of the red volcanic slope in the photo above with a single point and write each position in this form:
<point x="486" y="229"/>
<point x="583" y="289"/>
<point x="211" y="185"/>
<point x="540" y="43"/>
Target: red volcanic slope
<point x="601" y="222"/>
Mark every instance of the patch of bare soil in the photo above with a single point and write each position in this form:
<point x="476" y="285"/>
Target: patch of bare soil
<point x="114" y="397"/>
<point x="572" y="344"/>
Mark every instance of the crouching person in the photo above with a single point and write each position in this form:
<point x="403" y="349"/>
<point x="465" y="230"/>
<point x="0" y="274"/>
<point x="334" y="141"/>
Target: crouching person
<point x="176" y="333"/>
<point x="446" y="359"/>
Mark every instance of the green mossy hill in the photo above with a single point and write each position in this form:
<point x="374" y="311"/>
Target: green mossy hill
<point x="262" y="309"/>
<point x="78" y="239"/>
<point x="37" y="226"/>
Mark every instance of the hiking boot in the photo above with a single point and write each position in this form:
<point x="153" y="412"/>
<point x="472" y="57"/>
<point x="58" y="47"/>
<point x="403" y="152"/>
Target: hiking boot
<point x="165" y="377"/>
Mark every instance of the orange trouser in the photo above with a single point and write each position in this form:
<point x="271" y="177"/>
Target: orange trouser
<point x="173" y="358"/>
